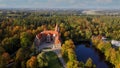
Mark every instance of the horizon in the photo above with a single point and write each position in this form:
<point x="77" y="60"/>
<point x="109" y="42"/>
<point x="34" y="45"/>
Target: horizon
<point x="61" y="4"/>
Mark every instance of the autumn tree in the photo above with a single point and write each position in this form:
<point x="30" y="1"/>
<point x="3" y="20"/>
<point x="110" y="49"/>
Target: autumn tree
<point x="4" y="59"/>
<point x="73" y="64"/>
<point x="20" y="54"/>
<point x="25" y="39"/>
<point x="42" y="60"/>
<point x="65" y="47"/>
<point x="32" y="62"/>
<point x="2" y="50"/>
<point x="89" y="63"/>
<point x="71" y="55"/>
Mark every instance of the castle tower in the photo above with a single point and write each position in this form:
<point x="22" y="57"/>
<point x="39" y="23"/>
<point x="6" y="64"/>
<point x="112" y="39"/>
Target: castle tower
<point x="56" y="28"/>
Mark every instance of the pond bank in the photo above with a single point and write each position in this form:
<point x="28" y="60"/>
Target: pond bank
<point x="83" y="52"/>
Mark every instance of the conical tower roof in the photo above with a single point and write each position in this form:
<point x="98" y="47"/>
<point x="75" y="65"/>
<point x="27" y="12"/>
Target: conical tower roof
<point x="56" y="28"/>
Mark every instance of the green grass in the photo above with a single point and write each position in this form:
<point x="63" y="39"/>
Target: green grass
<point x="53" y="61"/>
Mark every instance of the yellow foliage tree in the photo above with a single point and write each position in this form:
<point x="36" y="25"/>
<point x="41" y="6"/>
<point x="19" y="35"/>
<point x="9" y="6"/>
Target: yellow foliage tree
<point x="32" y="62"/>
<point x="89" y="63"/>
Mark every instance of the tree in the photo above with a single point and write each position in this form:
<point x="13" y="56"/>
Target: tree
<point x="23" y="64"/>
<point x="1" y="34"/>
<point x="71" y="55"/>
<point x="25" y="42"/>
<point x="6" y="44"/>
<point x="66" y="35"/>
<point x="20" y="54"/>
<point x="68" y="46"/>
<point x="117" y="66"/>
<point x="33" y="48"/>
<point x="25" y="39"/>
<point x="42" y="60"/>
<point x="100" y="45"/>
<point x="32" y="62"/>
<point x="117" y="56"/>
<point x="88" y="34"/>
<point x="4" y="59"/>
<point x="73" y="64"/>
<point x="81" y="64"/>
<point x="107" y="54"/>
<point x="2" y="50"/>
<point x="113" y="56"/>
<point x="2" y="62"/>
<point x="89" y="63"/>
<point x="11" y="44"/>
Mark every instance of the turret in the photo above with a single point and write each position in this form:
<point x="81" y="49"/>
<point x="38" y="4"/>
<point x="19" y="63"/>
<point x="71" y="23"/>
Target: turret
<point x="56" y="28"/>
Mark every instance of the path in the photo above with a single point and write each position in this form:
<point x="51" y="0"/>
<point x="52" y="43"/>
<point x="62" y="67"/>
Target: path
<point x="57" y="50"/>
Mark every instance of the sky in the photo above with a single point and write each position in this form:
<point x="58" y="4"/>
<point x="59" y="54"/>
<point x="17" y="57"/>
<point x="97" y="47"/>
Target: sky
<point x="83" y="4"/>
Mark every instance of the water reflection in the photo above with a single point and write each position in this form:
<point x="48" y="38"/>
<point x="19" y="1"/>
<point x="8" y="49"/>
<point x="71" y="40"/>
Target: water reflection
<point x="84" y="52"/>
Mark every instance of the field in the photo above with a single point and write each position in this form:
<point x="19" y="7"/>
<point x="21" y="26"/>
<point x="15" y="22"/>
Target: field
<point x="53" y="61"/>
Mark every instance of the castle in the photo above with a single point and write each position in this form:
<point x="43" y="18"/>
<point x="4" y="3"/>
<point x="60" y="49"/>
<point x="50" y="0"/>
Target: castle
<point x="49" y="36"/>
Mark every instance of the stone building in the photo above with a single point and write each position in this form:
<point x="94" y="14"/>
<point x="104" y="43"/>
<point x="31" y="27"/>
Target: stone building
<point x="49" y="36"/>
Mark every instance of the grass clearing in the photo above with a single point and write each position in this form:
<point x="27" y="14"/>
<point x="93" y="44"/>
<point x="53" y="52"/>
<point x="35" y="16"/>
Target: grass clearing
<point x="53" y="61"/>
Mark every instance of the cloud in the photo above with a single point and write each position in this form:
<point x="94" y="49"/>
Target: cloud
<point x="59" y="3"/>
<point x="62" y="3"/>
<point x="104" y="1"/>
<point x="7" y="0"/>
<point x="3" y="5"/>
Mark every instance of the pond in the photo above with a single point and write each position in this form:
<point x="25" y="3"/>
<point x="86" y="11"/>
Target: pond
<point x="83" y="52"/>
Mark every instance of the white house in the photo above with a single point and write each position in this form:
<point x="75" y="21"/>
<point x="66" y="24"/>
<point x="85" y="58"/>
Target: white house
<point x="115" y="43"/>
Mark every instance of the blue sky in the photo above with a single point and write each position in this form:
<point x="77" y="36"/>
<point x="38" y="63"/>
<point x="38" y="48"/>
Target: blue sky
<point x="109" y="4"/>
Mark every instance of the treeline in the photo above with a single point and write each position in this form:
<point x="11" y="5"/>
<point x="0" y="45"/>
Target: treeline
<point x="80" y="26"/>
<point x="111" y="54"/>
<point x="68" y="52"/>
<point x="16" y="44"/>
<point x="17" y="33"/>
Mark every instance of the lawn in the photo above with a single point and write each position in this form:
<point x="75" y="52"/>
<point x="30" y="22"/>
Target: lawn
<point x="53" y="61"/>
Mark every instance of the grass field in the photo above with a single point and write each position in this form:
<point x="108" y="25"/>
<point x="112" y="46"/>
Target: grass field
<point x="53" y="61"/>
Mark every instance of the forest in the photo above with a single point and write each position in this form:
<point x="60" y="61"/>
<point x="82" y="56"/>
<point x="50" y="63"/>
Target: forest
<point x="18" y="31"/>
